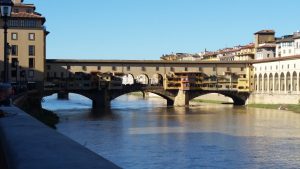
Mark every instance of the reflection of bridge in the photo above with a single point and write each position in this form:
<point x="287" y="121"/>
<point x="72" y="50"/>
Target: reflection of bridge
<point x="177" y="82"/>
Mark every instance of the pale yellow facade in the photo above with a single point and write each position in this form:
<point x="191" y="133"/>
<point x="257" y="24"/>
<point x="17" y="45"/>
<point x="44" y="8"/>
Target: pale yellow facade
<point x="27" y="39"/>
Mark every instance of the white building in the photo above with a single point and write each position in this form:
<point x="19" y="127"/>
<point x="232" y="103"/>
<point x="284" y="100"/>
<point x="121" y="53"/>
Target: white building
<point x="288" y="45"/>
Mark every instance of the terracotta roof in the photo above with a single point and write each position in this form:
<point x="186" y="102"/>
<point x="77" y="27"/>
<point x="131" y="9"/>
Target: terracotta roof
<point x="26" y="15"/>
<point x="267" y="45"/>
<point x="265" y="32"/>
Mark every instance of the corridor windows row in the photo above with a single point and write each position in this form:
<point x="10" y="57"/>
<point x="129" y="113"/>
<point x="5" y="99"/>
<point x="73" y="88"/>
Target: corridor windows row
<point x="271" y="67"/>
<point x="31" y="36"/>
<point x="15" y="50"/>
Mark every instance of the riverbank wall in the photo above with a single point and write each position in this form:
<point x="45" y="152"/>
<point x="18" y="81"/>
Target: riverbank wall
<point x="258" y="98"/>
<point x="27" y="143"/>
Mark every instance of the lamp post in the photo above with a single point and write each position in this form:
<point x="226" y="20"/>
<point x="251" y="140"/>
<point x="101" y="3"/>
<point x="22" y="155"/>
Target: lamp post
<point x="6" y="8"/>
<point x="16" y="64"/>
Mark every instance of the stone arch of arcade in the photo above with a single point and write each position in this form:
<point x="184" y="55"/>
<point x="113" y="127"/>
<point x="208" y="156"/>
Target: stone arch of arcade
<point x="285" y="82"/>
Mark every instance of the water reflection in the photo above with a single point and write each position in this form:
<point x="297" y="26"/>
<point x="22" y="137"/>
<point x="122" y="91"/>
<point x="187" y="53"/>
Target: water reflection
<point x="138" y="133"/>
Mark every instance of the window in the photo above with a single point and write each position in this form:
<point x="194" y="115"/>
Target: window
<point x="214" y="68"/>
<point x="143" y="68"/>
<point x="14" y="62"/>
<point x="84" y="68"/>
<point x="114" y="68"/>
<point x="288" y="66"/>
<point x="14" y="50"/>
<point x="186" y="69"/>
<point x="62" y="74"/>
<point x="172" y="69"/>
<point x="31" y="49"/>
<point x="157" y="68"/>
<point x="14" y="36"/>
<point x="68" y="67"/>
<point x="128" y="68"/>
<point x="98" y="67"/>
<point x="200" y="69"/>
<point x="294" y="65"/>
<point x="228" y="69"/>
<point x="48" y="67"/>
<point x="31" y="63"/>
<point x="242" y="68"/>
<point x="31" y="73"/>
<point x="13" y="73"/>
<point x="31" y="36"/>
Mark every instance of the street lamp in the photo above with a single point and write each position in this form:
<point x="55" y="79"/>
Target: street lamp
<point x="16" y="65"/>
<point x="6" y="8"/>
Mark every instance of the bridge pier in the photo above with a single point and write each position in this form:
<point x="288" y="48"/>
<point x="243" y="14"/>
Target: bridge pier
<point x="63" y="95"/>
<point x="101" y="100"/>
<point x="182" y="98"/>
<point x="170" y="102"/>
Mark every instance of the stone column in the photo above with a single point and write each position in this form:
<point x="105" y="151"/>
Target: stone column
<point x="285" y="88"/>
<point x="182" y="98"/>
<point x="292" y="83"/>
<point x="273" y="83"/>
<point x="297" y="83"/>
<point x="257" y="83"/>
<point x="268" y="85"/>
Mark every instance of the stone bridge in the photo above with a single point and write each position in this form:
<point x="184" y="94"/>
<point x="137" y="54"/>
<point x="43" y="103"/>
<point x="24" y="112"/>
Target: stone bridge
<point x="102" y="98"/>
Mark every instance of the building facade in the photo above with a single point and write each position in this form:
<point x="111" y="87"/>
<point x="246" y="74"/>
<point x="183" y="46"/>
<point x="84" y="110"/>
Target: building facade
<point x="27" y="41"/>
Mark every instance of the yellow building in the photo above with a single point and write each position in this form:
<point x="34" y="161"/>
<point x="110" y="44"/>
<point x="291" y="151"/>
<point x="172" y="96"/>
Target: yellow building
<point x="27" y="40"/>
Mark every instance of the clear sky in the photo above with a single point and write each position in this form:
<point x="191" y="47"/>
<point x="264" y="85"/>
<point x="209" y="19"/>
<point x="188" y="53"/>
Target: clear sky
<point x="146" y="29"/>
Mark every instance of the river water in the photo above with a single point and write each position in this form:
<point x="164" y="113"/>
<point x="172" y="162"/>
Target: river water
<point x="137" y="134"/>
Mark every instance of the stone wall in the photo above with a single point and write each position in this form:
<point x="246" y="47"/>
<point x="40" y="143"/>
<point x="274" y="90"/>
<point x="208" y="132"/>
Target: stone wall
<point x="273" y="99"/>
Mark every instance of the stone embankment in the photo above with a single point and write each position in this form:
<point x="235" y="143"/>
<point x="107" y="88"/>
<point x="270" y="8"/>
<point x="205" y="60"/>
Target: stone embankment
<point x="26" y="143"/>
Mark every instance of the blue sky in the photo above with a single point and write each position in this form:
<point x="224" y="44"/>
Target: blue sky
<point x="146" y="29"/>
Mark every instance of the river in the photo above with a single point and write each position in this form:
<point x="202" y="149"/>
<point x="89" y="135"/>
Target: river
<point x="145" y="134"/>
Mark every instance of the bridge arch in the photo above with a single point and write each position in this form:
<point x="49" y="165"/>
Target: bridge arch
<point x="168" y="98"/>
<point x="238" y="98"/>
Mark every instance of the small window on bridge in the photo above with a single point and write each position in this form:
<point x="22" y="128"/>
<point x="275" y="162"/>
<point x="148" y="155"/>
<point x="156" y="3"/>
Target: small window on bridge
<point x="98" y="67"/>
<point x="114" y="68"/>
<point x="242" y="68"/>
<point x="228" y="69"/>
<point x="68" y="67"/>
<point x="84" y="68"/>
<point x="200" y="69"/>
<point x="157" y="68"/>
<point x="186" y="69"/>
<point x="143" y="68"/>
<point x="48" y="67"/>
<point x="128" y="68"/>
<point x="214" y="68"/>
<point x="172" y="69"/>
